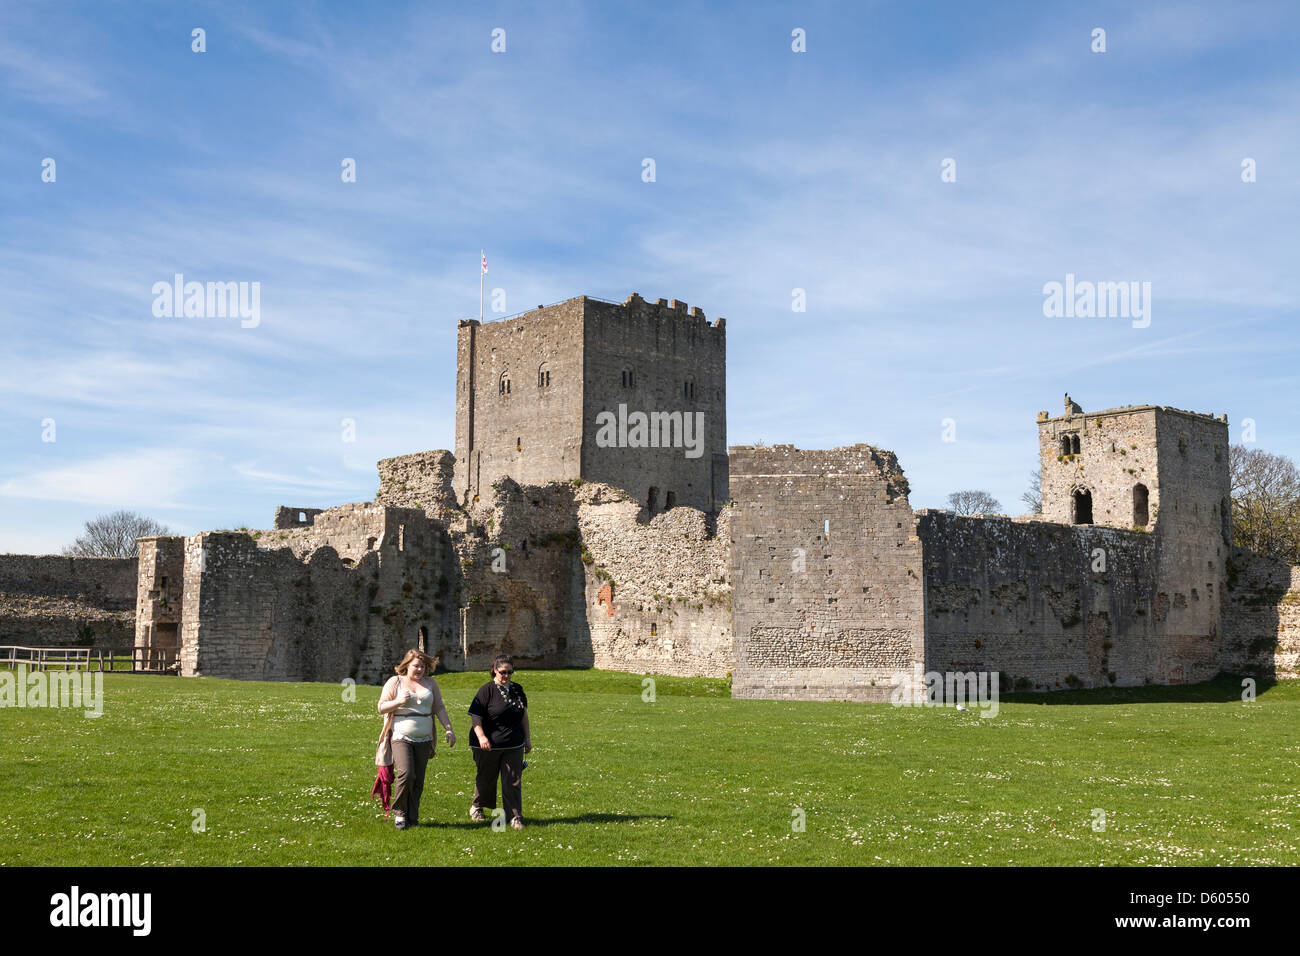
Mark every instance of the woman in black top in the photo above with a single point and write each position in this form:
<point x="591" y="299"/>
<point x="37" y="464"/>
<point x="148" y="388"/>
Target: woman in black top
<point x="499" y="740"/>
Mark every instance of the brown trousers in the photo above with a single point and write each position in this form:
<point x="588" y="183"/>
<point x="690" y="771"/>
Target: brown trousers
<point x="507" y="764"/>
<point x="410" y="760"/>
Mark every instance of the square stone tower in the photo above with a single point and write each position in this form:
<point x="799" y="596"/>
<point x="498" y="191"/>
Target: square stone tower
<point x="1160" y="470"/>
<point x="632" y="394"/>
<point x="1116" y="467"/>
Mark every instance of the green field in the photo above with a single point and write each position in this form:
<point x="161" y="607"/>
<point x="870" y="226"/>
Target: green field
<point x="282" y="773"/>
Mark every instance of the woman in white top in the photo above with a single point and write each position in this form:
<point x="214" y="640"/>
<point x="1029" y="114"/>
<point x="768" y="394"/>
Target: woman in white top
<point x="412" y="698"/>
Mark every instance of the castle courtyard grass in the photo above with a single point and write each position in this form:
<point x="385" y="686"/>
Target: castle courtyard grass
<point x="280" y="774"/>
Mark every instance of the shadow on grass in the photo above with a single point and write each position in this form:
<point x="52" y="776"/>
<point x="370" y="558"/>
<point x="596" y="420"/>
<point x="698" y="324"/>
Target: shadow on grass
<point x="530" y="822"/>
<point x="1224" y="689"/>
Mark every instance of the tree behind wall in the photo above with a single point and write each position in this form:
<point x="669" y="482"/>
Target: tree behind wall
<point x="113" y="536"/>
<point x="1032" y="497"/>
<point x="974" y="503"/>
<point x="1265" y="503"/>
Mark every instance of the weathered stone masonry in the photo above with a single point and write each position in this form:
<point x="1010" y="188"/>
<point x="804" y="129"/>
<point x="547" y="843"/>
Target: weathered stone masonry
<point x="1022" y="598"/>
<point x="1120" y="582"/>
<point x="530" y="392"/>
<point x="51" y="600"/>
<point x="804" y="574"/>
<point x="826" y="569"/>
<point x="520" y="543"/>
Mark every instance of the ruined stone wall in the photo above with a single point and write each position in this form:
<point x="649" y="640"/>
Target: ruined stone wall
<point x="344" y="597"/>
<point x="544" y="565"/>
<point x="826" y="572"/>
<point x="533" y="432"/>
<point x="52" y="600"/>
<point x="110" y="582"/>
<point x="348" y="593"/>
<point x="522" y="579"/>
<point x="1047" y="606"/>
<point x="160" y="596"/>
<point x="288" y="517"/>
<point x="422" y="480"/>
<point x="1260" y="630"/>
<point x="658" y="596"/>
<point x="677" y="365"/>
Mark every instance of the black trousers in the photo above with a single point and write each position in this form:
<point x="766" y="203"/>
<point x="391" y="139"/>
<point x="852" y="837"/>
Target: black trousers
<point x="410" y="760"/>
<point x="508" y="764"/>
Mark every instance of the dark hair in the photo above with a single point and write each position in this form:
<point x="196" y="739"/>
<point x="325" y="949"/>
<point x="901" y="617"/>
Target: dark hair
<point x="501" y="659"/>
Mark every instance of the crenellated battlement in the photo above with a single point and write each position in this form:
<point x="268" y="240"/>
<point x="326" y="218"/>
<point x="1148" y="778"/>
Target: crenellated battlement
<point x="532" y="392"/>
<point x="664" y="310"/>
<point x="669" y="310"/>
<point x="1077" y="412"/>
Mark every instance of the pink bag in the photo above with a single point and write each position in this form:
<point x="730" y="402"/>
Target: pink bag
<point x="383" y="787"/>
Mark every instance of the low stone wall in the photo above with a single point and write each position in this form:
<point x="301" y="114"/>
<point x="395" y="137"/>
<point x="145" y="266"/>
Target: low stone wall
<point x="53" y="600"/>
<point x="109" y="582"/>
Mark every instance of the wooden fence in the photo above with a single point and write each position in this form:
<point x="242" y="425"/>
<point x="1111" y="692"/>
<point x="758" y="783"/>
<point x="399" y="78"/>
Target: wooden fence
<point x="129" y="659"/>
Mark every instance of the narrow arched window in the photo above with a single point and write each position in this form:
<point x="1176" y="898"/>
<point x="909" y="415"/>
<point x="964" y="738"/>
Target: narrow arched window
<point x="503" y="384"/>
<point x="629" y="380"/>
<point x="1065" y="444"/>
<point x="1074" y="444"/>
<point x="1082" y="506"/>
<point x="544" y="375"/>
<point x="1141" y="506"/>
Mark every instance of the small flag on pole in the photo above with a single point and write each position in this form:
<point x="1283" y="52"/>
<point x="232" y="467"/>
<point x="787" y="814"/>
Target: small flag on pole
<point x="484" y="262"/>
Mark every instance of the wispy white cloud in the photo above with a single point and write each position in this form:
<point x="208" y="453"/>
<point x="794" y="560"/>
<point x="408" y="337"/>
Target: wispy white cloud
<point x="309" y="482"/>
<point x="46" y="77"/>
<point x="143" y="478"/>
<point x="774" y="172"/>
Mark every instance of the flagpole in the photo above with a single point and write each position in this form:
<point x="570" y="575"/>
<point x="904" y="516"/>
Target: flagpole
<point x="480" y="285"/>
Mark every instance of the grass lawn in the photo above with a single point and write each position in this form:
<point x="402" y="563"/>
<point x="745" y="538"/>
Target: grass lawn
<point x="283" y="772"/>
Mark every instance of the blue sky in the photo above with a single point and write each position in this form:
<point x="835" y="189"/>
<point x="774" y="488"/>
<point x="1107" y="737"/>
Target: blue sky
<point x="775" y="170"/>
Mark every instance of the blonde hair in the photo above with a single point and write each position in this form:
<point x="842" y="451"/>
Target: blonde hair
<point x="413" y="654"/>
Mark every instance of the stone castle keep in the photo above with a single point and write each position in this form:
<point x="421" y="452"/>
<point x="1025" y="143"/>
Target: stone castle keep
<point x="801" y="573"/>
